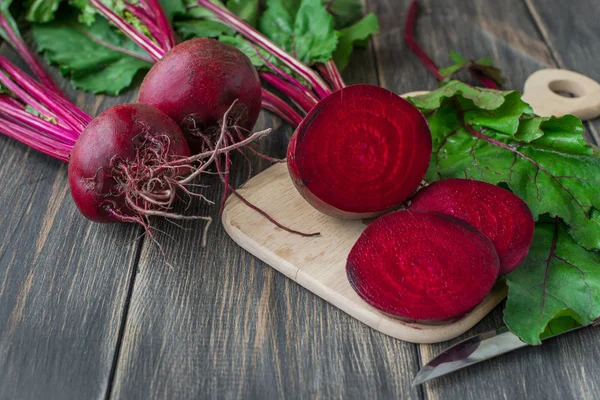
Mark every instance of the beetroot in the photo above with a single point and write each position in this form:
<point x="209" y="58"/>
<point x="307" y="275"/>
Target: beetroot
<point x="422" y="266"/>
<point x="196" y="82"/>
<point x="360" y="152"/>
<point x="498" y="213"/>
<point x="113" y="159"/>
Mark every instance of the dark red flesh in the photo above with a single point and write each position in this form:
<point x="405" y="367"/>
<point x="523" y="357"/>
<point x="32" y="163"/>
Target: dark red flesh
<point x="197" y="81"/>
<point x="422" y="266"/>
<point x="116" y="136"/>
<point x="499" y="214"/>
<point x="360" y="152"/>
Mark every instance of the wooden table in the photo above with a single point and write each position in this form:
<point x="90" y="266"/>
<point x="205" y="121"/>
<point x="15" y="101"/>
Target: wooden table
<point x="91" y="311"/>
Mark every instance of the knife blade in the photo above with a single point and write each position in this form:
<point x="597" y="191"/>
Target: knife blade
<point x="473" y="350"/>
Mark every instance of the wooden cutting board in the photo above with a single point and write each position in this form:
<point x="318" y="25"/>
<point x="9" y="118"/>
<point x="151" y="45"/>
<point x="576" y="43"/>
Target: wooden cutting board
<point x="319" y="263"/>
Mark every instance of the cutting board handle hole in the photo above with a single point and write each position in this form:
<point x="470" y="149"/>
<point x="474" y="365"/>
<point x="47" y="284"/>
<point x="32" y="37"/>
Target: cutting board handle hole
<point x="567" y="88"/>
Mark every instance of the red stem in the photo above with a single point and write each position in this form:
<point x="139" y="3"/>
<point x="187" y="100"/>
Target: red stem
<point x="306" y="103"/>
<point x="150" y="23"/>
<point x="256" y="37"/>
<point x="19" y="115"/>
<point x="16" y="41"/>
<point x="484" y="80"/>
<point x="274" y="104"/>
<point x="330" y="71"/>
<point x="409" y="37"/>
<point x="163" y="22"/>
<point x="34" y="140"/>
<point x="140" y="39"/>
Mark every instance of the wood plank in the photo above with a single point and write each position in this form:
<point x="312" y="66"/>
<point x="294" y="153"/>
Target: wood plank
<point x="505" y="31"/>
<point x="319" y="263"/>
<point x="572" y="37"/>
<point x="63" y="280"/>
<point x="222" y="324"/>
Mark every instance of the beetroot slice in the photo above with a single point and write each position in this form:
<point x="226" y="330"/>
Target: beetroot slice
<point x="360" y="152"/>
<point x="422" y="266"/>
<point x="499" y="214"/>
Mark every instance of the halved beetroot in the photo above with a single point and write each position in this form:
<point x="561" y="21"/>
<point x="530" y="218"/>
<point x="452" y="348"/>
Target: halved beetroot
<point x="499" y="214"/>
<point x="360" y="152"/>
<point x="422" y="266"/>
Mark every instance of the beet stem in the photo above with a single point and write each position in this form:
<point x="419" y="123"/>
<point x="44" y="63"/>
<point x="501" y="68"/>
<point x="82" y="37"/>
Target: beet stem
<point x="17" y="42"/>
<point x="163" y="22"/>
<point x="23" y="117"/>
<point x="256" y="37"/>
<point x="304" y="99"/>
<point x="140" y="39"/>
<point x="333" y="75"/>
<point x="38" y="97"/>
<point x="409" y="37"/>
<point x="35" y="140"/>
<point x="274" y="104"/>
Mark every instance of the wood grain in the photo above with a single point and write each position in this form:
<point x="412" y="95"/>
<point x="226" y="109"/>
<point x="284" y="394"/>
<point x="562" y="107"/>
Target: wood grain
<point x="63" y="280"/>
<point x="504" y="30"/>
<point x="570" y="30"/>
<point x="222" y="324"/>
<point x="319" y="263"/>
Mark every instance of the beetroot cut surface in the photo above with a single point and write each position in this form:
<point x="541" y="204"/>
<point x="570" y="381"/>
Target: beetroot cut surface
<point x="499" y="214"/>
<point x="422" y="266"/>
<point x="360" y="152"/>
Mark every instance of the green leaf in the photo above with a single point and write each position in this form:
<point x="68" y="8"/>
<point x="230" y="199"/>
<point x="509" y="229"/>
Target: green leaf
<point x="306" y="33"/>
<point x="451" y="70"/>
<point x="555" y="173"/>
<point x="558" y="279"/>
<point x="41" y="10"/>
<point x="314" y="37"/>
<point x="4" y="10"/>
<point x="35" y="112"/>
<point x="247" y="48"/>
<point x="494" y="136"/>
<point x="93" y="67"/>
<point x="458" y="58"/>
<point x="173" y="8"/>
<point x="355" y="35"/>
<point x="202" y="28"/>
<point x="486" y="99"/>
<point x="344" y="12"/>
<point x="245" y="9"/>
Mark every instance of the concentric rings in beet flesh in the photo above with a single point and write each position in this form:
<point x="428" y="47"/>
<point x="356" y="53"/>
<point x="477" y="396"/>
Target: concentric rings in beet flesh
<point x="361" y="151"/>
<point x="498" y="213"/>
<point x="422" y="266"/>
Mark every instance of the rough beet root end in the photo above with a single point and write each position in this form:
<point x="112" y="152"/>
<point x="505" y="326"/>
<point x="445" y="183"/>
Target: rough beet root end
<point x="360" y="152"/>
<point x="502" y="216"/>
<point x="118" y="170"/>
<point x="422" y="266"/>
<point x="195" y="84"/>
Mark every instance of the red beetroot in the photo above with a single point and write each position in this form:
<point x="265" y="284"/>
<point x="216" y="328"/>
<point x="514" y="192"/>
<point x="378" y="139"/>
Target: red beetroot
<point x="422" y="266"/>
<point x="499" y="214"/>
<point x="196" y="82"/>
<point x="113" y="159"/>
<point x="360" y="152"/>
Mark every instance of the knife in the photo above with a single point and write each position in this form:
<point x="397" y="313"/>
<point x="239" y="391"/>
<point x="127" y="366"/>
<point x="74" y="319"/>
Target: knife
<point x="476" y="349"/>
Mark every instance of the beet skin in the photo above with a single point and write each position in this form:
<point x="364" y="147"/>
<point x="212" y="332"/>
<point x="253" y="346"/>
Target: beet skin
<point x="125" y="140"/>
<point x="197" y="81"/>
